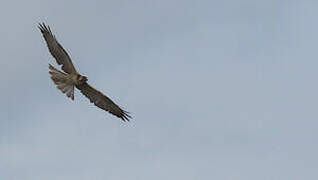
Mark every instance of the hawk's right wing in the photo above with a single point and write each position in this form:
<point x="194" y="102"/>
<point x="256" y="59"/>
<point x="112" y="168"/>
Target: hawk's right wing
<point x="57" y="51"/>
<point x="102" y="101"/>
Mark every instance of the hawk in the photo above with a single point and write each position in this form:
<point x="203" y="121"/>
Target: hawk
<point x="70" y="78"/>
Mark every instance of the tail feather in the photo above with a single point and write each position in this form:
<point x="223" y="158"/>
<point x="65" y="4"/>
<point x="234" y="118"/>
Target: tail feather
<point x="62" y="81"/>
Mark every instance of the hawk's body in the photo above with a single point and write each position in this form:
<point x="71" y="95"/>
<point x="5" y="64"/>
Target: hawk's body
<point x="70" y="78"/>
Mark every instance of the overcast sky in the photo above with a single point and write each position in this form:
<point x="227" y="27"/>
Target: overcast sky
<point x="217" y="90"/>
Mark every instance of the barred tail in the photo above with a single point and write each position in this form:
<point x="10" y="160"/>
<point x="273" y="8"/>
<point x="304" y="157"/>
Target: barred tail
<point x="62" y="81"/>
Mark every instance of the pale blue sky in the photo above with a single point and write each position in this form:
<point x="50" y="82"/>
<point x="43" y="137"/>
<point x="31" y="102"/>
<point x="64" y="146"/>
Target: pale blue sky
<point x="217" y="90"/>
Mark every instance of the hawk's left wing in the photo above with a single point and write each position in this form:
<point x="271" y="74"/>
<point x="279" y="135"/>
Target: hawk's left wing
<point x="57" y="50"/>
<point x="102" y="101"/>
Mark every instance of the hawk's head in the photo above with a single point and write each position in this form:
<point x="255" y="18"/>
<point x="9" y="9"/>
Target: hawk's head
<point x="82" y="79"/>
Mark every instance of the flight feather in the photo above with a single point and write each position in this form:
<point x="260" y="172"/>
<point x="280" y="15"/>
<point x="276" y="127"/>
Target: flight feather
<point x="102" y="101"/>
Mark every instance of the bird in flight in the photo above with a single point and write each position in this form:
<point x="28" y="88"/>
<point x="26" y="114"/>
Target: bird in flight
<point x="70" y="78"/>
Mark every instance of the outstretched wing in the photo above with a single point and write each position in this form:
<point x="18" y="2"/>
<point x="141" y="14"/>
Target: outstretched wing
<point x="57" y="51"/>
<point x="102" y="101"/>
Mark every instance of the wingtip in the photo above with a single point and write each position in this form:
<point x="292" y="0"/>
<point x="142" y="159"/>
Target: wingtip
<point x="44" y="28"/>
<point x="41" y="26"/>
<point x="125" y="116"/>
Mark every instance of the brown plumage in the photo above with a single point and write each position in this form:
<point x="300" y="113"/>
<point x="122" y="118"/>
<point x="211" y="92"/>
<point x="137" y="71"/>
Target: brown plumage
<point x="57" y="51"/>
<point x="71" y="78"/>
